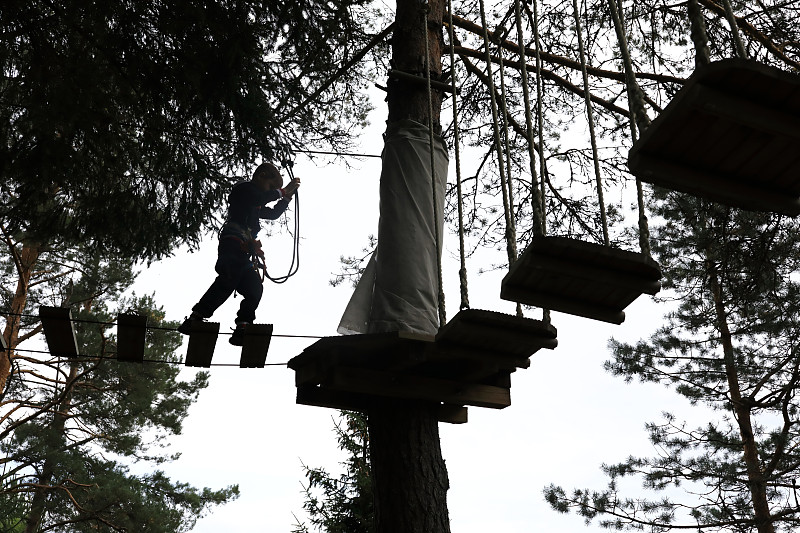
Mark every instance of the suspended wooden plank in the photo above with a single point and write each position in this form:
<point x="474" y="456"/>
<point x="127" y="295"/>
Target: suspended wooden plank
<point x="508" y="337"/>
<point x="58" y="332"/>
<point x="202" y="340"/>
<point x="131" y="333"/>
<point x="729" y="135"/>
<point x="349" y="401"/>
<point x="580" y="278"/>
<point x="255" y="345"/>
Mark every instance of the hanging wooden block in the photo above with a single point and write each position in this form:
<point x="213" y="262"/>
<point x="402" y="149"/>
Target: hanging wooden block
<point x="131" y="333"/>
<point x="507" y="338"/>
<point x="58" y="332"/>
<point x="730" y="135"/>
<point x="202" y="340"/>
<point x="580" y="278"/>
<point x="255" y="345"/>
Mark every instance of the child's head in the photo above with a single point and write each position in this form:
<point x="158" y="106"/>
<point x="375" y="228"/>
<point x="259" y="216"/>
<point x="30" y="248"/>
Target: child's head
<point x="268" y="177"/>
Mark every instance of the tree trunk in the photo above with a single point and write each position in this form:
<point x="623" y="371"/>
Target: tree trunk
<point x="741" y="409"/>
<point x="28" y="257"/>
<point x="409" y="475"/>
<point x="38" y="509"/>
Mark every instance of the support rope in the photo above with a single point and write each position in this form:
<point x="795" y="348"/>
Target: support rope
<point x="437" y="237"/>
<point x="462" y="272"/>
<point x="539" y="112"/>
<point x="507" y="182"/>
<point x="737" y="38"/>
<point x="495" y="127"/>
<point x="638" y="118"/>
<point x="588" y="98"/>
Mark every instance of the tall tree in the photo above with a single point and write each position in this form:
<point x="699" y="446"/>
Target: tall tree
<point x="730" y="346"/>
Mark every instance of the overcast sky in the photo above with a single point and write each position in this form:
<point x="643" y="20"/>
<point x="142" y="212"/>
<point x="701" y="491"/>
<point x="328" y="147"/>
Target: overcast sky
<point x="566" y="418"/>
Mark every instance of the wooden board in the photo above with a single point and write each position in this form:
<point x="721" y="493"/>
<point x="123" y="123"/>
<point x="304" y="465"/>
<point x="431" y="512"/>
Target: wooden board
<point x="729" y="135"/>
<point x="202" y="340"/>
<point x="580" y="278"/>
<point x="131" y="333"/>
<point x="349" y="401"/>
<point x="255" y="345"/>
<point x="58" y="332"/>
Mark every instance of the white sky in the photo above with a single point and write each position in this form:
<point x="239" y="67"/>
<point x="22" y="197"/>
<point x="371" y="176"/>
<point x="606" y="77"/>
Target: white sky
<point x="567" y="415"/>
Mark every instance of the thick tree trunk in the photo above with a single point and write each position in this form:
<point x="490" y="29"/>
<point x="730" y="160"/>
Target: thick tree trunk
<point x="27" y="258"/>
<point x="409" y="475"/>
<point x="755" y="476"/>
<point x="409" y="99"/>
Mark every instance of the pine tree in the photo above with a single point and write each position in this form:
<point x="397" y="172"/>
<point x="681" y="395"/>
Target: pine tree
<point x="731" y="347"/>
<point x="342" y="504"/>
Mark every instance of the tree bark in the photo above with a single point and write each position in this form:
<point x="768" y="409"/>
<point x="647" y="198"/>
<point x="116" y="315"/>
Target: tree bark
<point x="407" y="99"/>
<point x="409" y="476"/>
<point x="741" y="409"/>
<point x="26" y="260"/>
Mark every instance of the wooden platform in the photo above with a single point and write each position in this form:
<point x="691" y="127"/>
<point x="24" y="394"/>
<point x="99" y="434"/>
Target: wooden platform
<point x="469" y="362"/>
<point x="580" y="278"/>
<point x="731" y="135"/>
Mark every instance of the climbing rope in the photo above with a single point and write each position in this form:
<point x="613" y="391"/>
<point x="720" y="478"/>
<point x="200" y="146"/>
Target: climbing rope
<point x="437" y="238"/>
<point x="510" y="247"/>
<point x="462" y="272"/>
<point x="260" y="263"/>
<point x="590" y="115"/>
<point x="537" y="196"/>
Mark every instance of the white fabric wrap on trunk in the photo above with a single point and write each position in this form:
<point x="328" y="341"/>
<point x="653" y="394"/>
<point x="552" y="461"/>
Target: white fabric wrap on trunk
<point x="398" y="290"/>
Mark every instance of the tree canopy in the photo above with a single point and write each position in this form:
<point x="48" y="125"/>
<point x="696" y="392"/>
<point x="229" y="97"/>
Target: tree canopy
<point x="124" y="124"/>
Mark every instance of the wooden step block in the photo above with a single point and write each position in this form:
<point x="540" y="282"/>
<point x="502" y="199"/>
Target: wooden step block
<point x="202" y="340"/>
<point x="580" y="278"/>
<point x="255" y="345"/>
<point x="131" y="333"/>
<point x="729" y="135"/>
<point x="58" y="331"/>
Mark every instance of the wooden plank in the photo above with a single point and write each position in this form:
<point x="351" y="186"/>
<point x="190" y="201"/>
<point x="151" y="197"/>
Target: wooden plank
<point x="255" y="345"/>
<point x="332" y="399"/>
<point x="504" y="339"/>
<point x="377" y="383"/>
<point x="202" y="340"/>
<point x="724" y="189"/>
<point x="562" y="304"/>
<point x="58" y="332"/>
<point x="131" y="333"/>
